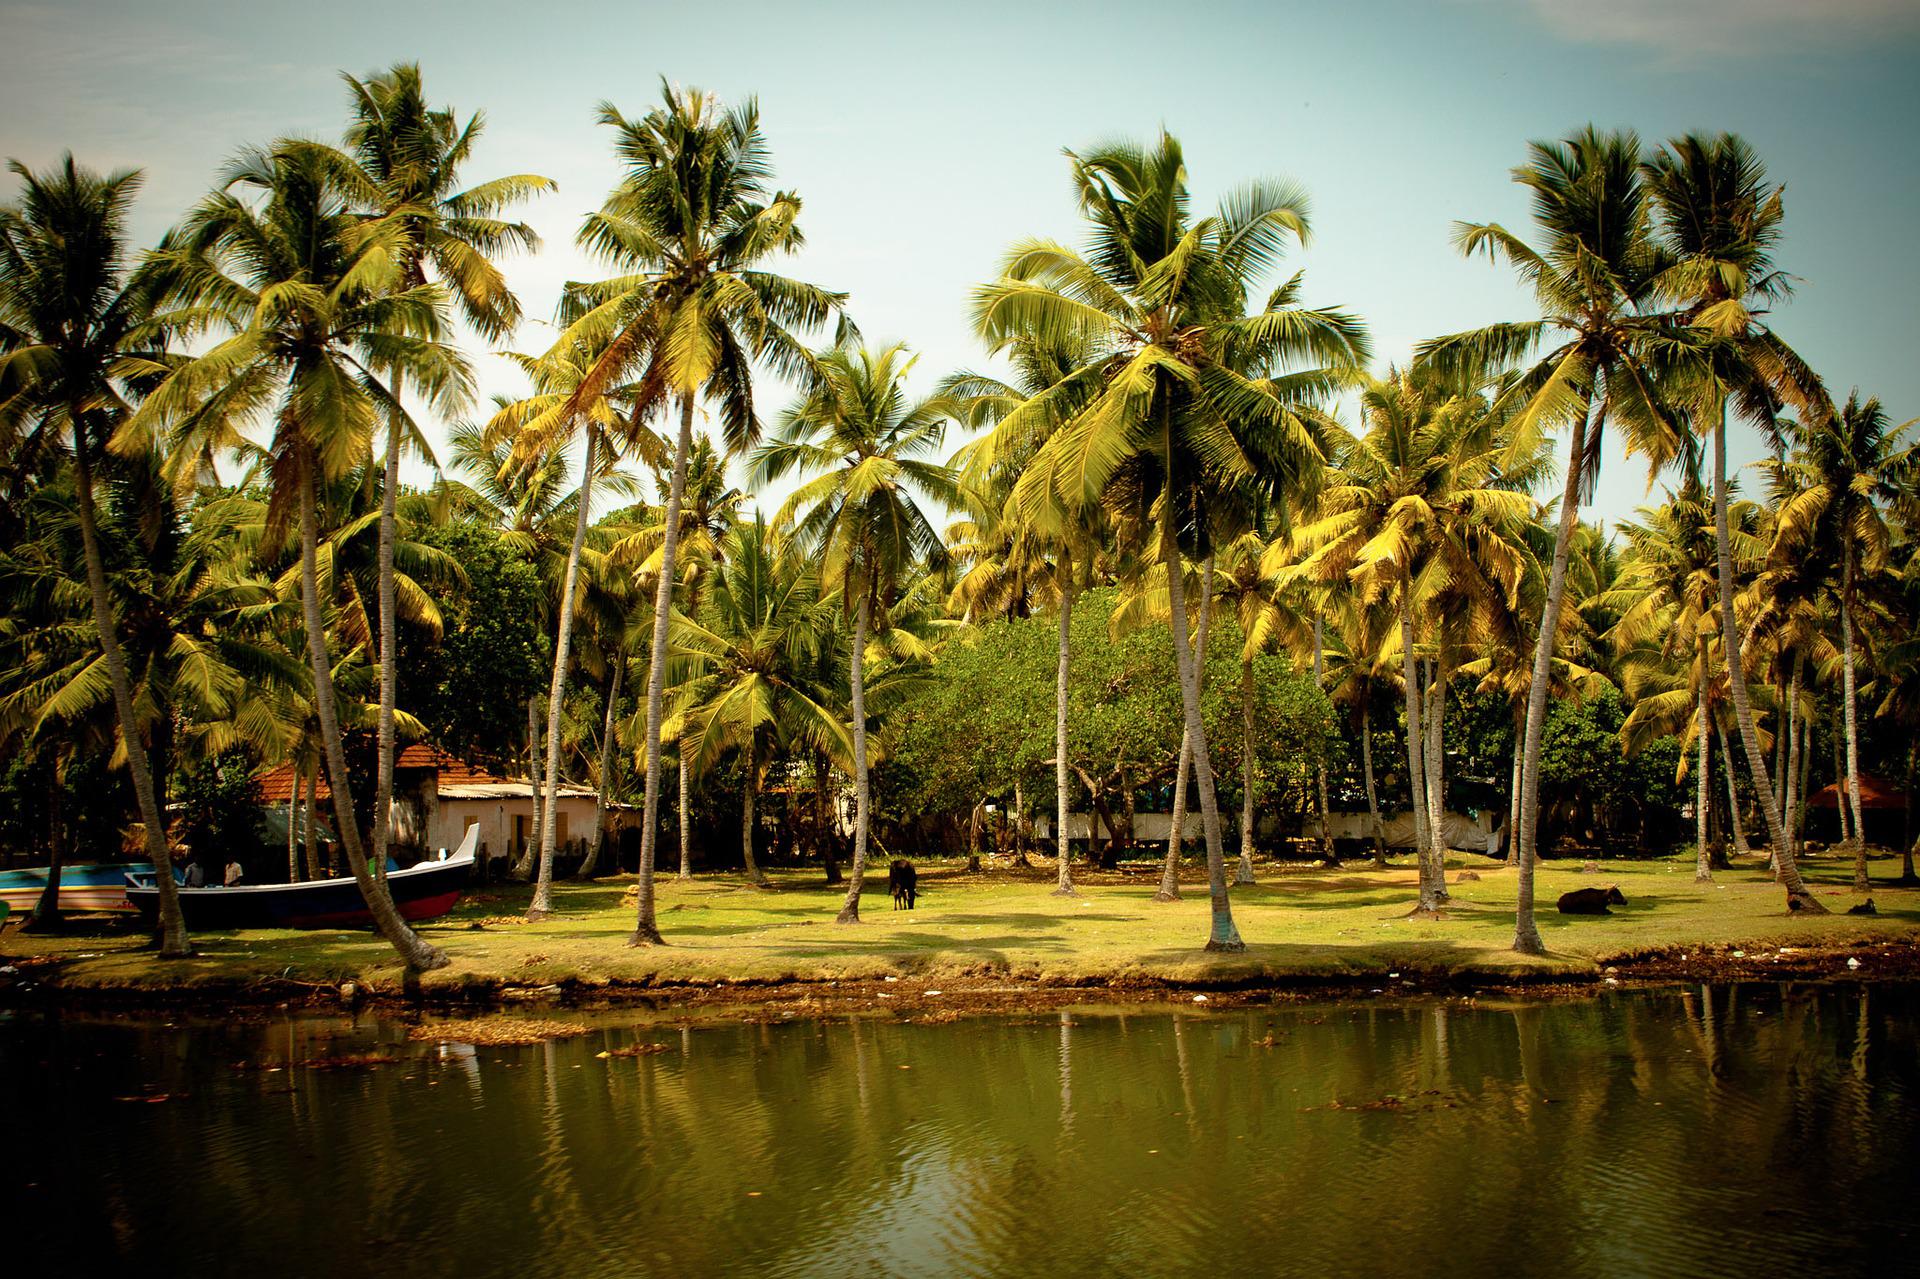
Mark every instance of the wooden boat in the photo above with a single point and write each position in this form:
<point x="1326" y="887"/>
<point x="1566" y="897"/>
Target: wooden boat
<point x="86" y="887"/>
<point x="424" y="891"/>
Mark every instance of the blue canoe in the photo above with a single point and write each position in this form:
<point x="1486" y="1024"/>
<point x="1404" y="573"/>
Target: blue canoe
<point x="82" y="887"/>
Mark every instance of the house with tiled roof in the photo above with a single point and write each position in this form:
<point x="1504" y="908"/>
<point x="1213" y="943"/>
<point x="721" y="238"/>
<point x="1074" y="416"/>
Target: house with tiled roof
<point x="437" y="797"/>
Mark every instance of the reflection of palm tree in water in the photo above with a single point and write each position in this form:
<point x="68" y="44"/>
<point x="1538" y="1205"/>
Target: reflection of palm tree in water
<point x="1066" y="1074"/>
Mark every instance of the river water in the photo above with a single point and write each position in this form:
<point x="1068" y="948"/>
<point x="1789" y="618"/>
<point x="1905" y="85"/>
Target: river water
<point x="1687" y="1132"/>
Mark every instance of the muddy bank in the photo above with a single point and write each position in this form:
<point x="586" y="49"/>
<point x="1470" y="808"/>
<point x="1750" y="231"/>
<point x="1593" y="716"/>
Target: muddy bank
<point x="36" y="982"/>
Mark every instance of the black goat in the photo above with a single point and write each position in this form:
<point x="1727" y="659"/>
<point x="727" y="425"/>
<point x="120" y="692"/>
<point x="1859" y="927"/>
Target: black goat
<point x="904" y="881"/>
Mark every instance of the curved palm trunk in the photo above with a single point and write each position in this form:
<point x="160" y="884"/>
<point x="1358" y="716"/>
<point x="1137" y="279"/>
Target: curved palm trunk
<point x="1245" y="872"/>
<point x="755" y="875"/>
<point x="557" y="692"/>
<point x="1526" y="934"/>
<point x="1366" y="769"/>
<point x="599" y="836"/>
<point x="646" y="928"/>
<point x="1062" y="793"/>
<point x="1861" y="882"/>
<point x="1702" y="861"/>
<point x="862" y="618"/>
<point x="1221" y="935"/>
<point x="1416" y="753"/>
<point x="1798" y="898"/>
<point x="173" y="926"/>
<point x="1177" y="820"/>
<point x="389" y="654"/>
<point x="415" y="953"/>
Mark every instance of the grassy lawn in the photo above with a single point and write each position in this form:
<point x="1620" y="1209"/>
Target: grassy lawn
<point x="1299" y="923"/>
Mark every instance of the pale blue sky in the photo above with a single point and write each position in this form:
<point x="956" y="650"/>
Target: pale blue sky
<point x="925" y="138"/>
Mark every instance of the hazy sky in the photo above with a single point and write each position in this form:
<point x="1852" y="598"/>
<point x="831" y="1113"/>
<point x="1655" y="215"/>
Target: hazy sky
<point x="925" y="138"/>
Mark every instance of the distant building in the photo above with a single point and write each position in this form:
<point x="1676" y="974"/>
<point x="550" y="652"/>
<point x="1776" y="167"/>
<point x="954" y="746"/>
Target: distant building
<point x="437" y="796"/>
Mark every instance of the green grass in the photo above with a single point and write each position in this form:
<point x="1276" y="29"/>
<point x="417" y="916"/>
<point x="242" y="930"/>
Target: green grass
<point x="1299" y="924"/>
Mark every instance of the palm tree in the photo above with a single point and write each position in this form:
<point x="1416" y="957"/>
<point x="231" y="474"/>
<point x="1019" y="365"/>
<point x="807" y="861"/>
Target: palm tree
<point x="1721" y="221"/>
<point x="864" y="441"/>
<point x="402" y="165"/>
<point x="1181" y="402"/>
<point x="1427" y="504"/>
<point x="73" y="330"/>
<point x="317" y="310"/>
<point x="750" y="654"/>
<point x="541" y="426"/>
<point x="1594" y="277"/>
<point x="1852" y="467"/>
<point x="689" y="231"/>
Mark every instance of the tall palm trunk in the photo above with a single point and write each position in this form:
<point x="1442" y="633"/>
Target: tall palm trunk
<point x="1169" y="890"/>
<point x="1062" y="791"/>
<point x="293" y="829"/>
<point x="1320" y="769"/>
<point x="599" y="836"/>
<point x="1245" y="874"/>
<point x="822" y="774"/>
<point x="1842" y="813"/>
<point x="389" y="652"/>
<point x="1735" y="823"/>
<point x="312" y="835"/>
<point x="646" y="929"/>
<point x="416" y="954"/>
<point x="1366" y="769"/>
<point x="1702" y="862"/>
<point x="1416" y="750"/>
<point x="173" y="926"/>
<point x="1177" y="823"/>
<point x="1433" y="707"/>
<point x="1513" y="795"/>
<point x="862" y="796"/>
<point x="685" y="825"/>
<point x="1798" y="898"/>
<point x="1221" y="935"/>
<point x="755" y="875"/>
<point x="1796" y="732"/>
<point x="1526" y="934"/>
<point x="557" y="691"/>
<point x="46" y="909"/>
<point x="522" y="868"/>
<point x="1861" y="882"/>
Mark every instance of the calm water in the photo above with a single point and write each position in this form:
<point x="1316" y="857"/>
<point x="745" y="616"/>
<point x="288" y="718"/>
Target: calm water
<point x="1684" y="1133"/>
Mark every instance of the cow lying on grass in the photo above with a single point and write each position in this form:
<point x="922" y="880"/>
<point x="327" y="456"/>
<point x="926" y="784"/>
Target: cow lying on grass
<point x="903" y="880"/>
<point x="1591" y="901"/>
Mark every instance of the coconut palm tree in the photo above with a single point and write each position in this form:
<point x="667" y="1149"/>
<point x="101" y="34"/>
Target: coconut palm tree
<point x="749" y="657"/>
<point x="1721" y="221"/>
<point x="689" y="232"/>
<point x="318" y="316"/>
<point x="401" y="164"/>
<point x="1594" y="276"/>
<point x="1851" y="468"/>
<point x="74" y="329"/>
<point x="540" y="426"/>
<point x="864" y="442"/>
<point x="1427" y="503"/>
<point x="1182" y="401"/>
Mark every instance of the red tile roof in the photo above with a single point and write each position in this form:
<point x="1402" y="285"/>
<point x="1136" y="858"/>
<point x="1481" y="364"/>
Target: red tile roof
<point x="276" y="784"/>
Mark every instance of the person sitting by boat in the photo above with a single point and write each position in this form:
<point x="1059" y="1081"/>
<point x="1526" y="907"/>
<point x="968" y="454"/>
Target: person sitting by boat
<point x="234" y="871"/>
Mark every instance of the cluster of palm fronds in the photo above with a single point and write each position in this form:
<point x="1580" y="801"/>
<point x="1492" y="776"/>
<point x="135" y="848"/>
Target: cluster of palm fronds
<point x="209" y="547"/>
